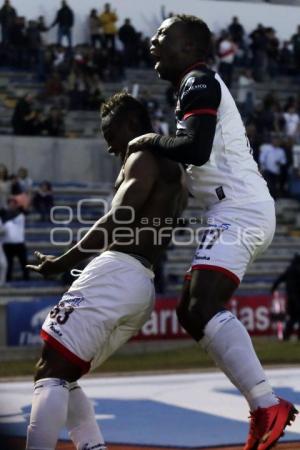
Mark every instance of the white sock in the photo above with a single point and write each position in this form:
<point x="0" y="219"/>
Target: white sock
<point x="48" y="413"/>
<point x="81" y="422"/>
<point x="229" y="344"/>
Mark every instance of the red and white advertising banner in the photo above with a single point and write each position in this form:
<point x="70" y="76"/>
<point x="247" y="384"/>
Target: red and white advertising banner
<point x="260" y="314"/>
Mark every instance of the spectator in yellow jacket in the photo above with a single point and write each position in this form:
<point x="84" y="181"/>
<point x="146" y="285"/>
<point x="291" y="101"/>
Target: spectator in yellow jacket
<point x="108" y="21"/>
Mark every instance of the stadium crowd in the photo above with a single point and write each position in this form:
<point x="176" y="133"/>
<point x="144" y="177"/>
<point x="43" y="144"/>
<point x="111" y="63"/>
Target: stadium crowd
<point x="17" y="200"/>
<point x="73" y="75"/>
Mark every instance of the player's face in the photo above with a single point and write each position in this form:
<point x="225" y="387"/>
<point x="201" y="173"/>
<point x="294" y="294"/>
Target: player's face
<point x="117" y="134"/>
<point x="168" y="48"/>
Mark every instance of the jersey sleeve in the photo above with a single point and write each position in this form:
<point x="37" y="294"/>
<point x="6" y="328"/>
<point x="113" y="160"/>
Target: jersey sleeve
<point x="200" y="95"/>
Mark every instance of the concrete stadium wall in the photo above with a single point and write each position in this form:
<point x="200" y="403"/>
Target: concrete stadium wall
<point x="67" y="160"/>
<point x="146" y="15"/>
<point x="60" y="160"/>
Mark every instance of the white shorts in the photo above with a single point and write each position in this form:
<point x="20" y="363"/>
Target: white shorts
<point x="232" y="237"/>
<point x="109" y="302"/>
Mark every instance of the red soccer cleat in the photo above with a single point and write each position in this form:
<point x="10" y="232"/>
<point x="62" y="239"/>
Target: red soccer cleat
<point x="267" y="425"/>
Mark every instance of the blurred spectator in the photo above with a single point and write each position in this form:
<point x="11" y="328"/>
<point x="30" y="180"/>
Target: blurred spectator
<point x="286" y="170"/>
<point x="23" y="118"/>
<point x="246" y="92"/>
<point x="42" y="27"/>
<point x="144" y="56"/>
<point x="77" y="89"/>
<point x="254" y="139"/>
<point x="259" y="52"/>
<point x="15" y="185"/>
<point x="226" y="52"/>
<point x="24" y="180"/>
<point x="4" y="186"/>
<point x="291" y="278"/>
<point x="95" y="29"/>
<point x="236" y="30"/>
<point x="18" y="40"/>
<point x="291" y="122"/>
<point x="54" y="123"/>
<point x="3" y="261"/>
<point x="8" y="15"/>
<point x="34" y="42"/>
<point x="14" y="240"/>
<point x="286" y="59"/>
<point x="272" y="158"/>
<point x="108" y="21"/>
<point x="43" y="200"/>
<point x="18" y="194"/>
<point x="272" y="52"/>
<point x="265" y="116"/>
<point x="95" y="97"/>
<point x="296" y="49"/>
<point x="54" y="86"/>
<point x="128" y="37"/>
<point x="64" y="20"/>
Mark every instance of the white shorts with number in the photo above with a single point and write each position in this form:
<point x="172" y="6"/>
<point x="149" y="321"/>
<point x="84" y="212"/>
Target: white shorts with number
<point x="232" y="237"/>
<point x="109" y="302"/>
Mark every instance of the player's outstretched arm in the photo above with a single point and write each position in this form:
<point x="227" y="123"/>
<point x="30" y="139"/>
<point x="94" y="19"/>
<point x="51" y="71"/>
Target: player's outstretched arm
<point x="193" y="148"/>
<point x="140" y="175"/>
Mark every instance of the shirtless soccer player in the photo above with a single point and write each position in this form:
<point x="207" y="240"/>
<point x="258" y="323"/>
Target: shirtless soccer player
<point x="212" y="143"/>
<point x="114" y="295"/>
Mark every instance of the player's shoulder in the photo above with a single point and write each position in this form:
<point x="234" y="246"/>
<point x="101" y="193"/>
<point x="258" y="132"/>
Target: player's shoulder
<point x="142" y="163"/>
<point x="200" y="88"/>
<point x="199" y="79"/>
<point x="147" y="164"/>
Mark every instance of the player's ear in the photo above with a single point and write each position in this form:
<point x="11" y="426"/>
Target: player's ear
<point x="186" y="48"/>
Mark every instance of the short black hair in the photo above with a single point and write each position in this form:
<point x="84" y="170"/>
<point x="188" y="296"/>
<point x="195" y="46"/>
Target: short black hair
<point x="124" y="105"/>
<point x="199" y="32"/>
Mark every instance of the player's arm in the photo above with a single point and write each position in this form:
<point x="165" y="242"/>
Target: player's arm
<point x="140" y="174"/>
<point x="200" y="98"/>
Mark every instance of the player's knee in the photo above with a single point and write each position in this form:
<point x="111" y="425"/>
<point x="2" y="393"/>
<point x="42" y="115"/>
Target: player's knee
<point x="190" y="322"/>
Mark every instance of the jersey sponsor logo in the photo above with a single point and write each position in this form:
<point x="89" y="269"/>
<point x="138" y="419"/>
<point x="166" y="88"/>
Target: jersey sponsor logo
<point x="190" y="86"/>
<point x="71" y="299"/>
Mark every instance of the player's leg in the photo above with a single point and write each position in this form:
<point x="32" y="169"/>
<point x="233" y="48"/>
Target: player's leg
<point x="56" y="403"/>
<point x="9" y="253"/>
<point x="227" y="341"/>
<point x="224" y="337"/>
<point x="81" y="421"/>
<point x="220" y="333"/>
<point x="50" y="399"/>
<point x="183" y="304"/>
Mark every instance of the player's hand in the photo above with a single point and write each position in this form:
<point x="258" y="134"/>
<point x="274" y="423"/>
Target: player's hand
<point x="47" y="265"/>
<point x="141" y="143"/>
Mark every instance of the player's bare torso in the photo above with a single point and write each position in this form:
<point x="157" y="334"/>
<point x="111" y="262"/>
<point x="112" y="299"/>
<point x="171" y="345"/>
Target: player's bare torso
<point x="151" y="230"/>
